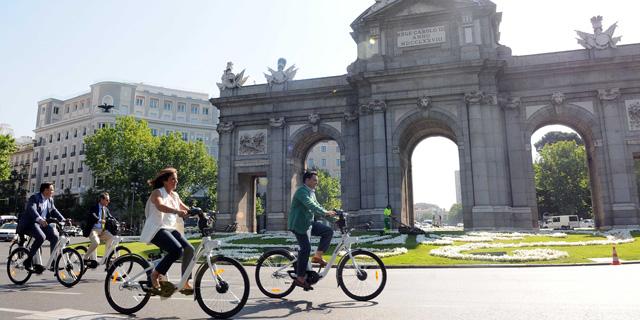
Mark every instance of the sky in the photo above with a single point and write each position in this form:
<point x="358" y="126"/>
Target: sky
<point x="57" y="49"/>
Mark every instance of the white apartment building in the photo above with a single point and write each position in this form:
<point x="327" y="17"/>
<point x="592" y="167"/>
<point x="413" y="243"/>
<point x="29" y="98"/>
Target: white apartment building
<point x="325" y="155"/>
<point x="61" y="126"/>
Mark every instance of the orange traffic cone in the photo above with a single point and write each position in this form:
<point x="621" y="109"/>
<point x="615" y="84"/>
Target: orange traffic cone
<point x="615" y="262"/>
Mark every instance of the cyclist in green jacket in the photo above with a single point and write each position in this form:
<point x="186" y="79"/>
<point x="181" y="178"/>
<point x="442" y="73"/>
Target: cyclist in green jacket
<point x="304" y="207"/>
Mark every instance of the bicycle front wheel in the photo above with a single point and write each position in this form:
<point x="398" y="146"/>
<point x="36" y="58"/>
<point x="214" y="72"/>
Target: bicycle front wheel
<point x="362" y="276"/>
<point x="127" y="283"/>
<point x="16" y="271"/>
<point x="223" y="289"/>
<point x="272" y="274"/>
<point x="69" y="267"/>
<point x="117" y="253"/>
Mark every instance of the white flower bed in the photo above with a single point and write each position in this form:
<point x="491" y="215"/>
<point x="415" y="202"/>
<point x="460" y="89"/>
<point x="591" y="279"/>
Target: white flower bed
<point x="455" y="252"/>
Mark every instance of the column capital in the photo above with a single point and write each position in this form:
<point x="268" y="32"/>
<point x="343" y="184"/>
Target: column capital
<point x="225" y="127"/>
<point x="609" y="94"/>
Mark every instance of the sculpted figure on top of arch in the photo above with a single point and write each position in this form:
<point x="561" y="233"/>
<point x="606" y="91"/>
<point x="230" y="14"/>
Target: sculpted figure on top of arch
<point x="609" y="94"/>
<point x="281" y="75"/>
<point x="598" y="40"/>
<point x="231" y="80"/>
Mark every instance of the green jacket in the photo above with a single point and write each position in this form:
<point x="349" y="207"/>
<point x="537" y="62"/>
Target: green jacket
<point x="303" y="207"/>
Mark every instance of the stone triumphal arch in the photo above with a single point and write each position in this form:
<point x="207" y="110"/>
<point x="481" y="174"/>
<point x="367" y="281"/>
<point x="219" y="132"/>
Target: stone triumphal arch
<point x="435" y="68"/>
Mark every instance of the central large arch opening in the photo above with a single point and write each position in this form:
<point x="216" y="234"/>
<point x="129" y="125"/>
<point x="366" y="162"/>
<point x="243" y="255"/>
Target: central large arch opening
<point x="324" y="157"/>
<point x="435" y="176"/>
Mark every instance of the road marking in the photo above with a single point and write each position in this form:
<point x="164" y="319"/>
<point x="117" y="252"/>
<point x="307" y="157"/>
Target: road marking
<point x="44" y="292"/>
<point x="17" y="310"/>
<point x="61" y="314"/>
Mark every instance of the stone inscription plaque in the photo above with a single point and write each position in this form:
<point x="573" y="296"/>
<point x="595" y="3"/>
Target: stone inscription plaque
<point x="423" y="36"/>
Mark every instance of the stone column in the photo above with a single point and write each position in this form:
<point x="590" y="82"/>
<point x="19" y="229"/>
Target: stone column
<point x="491" y="190"/>
<point x="226" y="207"/>
<point x="620" y="172"/>
<point x="276" y="195"/>
<point x="349" y="178"/>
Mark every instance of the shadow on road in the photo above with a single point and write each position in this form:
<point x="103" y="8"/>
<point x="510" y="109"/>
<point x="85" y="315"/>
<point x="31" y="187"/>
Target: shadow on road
<point x="284" y="308"/>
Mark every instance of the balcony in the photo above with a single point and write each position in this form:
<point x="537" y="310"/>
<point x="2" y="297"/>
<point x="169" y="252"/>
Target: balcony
<point x="81" y="152"/>
<point x="46" y="174"/>
<point x="64" y="155"/>
<point x="55" y="157"/>
<point x="61" y="172"/>
<point x="47" y="158"/>
<point x="72" y="154"/>
<point x="80" y="169"/>
<point x="70" y="171"/>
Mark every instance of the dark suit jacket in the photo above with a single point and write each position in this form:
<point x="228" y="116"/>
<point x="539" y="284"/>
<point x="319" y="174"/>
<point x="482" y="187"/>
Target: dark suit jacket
<point x="92" y="218"/>
<point x="33" y="211"/>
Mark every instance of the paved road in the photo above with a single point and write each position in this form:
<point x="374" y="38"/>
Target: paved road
<point x="594" y="292"/>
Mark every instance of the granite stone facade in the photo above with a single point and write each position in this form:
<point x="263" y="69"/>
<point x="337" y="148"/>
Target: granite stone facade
<point x="436" y="68"/>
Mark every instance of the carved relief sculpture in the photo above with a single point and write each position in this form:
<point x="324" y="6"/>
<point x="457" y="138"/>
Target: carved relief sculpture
<point x="598" y="40"/>
<point x="633" y="115"/>
<point x="351" y="115"/>
<point x="252" y="144"/>
<point x="609" y="94"/>
<point x="281" y="75"/>
<point x="231" y="80"/>
<point x="474" y="97"/>
<point x="557" y="99"/>
<point x="277" y="122"/>
<point x="314" y="120"/>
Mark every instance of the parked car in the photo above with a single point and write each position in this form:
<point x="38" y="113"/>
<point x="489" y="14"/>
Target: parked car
<point x="8" y="231"/>
<point x="588" y="223"/>
<point x="8" y="218"/>
<point x="73" y="231"/>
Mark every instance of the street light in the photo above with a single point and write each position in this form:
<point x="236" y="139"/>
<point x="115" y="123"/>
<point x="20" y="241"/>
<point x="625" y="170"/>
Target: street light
<point x="134" y="188"/>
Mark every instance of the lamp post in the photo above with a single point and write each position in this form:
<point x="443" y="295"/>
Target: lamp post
<point x="134" y="188"/>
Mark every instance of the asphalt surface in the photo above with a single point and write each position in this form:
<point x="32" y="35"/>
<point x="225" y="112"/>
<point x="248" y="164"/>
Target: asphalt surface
<point x="581" y="292"/>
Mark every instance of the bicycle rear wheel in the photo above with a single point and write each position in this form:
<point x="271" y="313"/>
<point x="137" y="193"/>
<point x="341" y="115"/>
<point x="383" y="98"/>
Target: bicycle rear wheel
<point x="16" y="271"/>
<point x="69" y="267"/>
<point x="127" y="283"/>
<point x="272" y="275"/>
<point x="222" y="290"/>
<point x="364" y="282"/>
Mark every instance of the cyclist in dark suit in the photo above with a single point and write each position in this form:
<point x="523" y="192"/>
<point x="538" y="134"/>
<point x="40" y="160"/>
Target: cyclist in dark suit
<point x="33" y="221"/>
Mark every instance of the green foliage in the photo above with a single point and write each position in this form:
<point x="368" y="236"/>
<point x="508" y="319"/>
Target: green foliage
<point x="455" y="214"/>
<point x="555" y="136"/>
<point x="7" y="147"/>
<point x="259" y="206"/>
<point x="562" y="181"/>
<point x="328" y="191"/>
<point x="11" y="192"/>
<point x="124" y="157"/>
<point x="67" y="204"/>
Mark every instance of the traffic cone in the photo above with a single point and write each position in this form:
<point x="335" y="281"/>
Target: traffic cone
<point x="615" y="262"/>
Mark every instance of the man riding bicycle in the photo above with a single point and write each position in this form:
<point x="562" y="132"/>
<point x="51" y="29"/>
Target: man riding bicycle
<point x="33" y="221"/>
<point x="304" y="207"/>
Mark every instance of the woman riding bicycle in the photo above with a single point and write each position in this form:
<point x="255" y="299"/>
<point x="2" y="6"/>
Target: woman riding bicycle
<point x="304" y="207"/>
<point x="164" y="226"/>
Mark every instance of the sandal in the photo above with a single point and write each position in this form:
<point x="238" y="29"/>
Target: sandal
<point x="319" y="261"/>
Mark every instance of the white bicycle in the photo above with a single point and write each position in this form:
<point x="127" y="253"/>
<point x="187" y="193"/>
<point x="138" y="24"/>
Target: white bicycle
<point x="111" y="253"/>
<point x="67" y="262"/>
<point x="221" y="284"/>
<point x="360" y="273"/>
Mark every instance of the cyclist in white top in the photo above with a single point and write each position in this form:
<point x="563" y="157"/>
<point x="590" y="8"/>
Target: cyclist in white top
<point x="164" y="226"/>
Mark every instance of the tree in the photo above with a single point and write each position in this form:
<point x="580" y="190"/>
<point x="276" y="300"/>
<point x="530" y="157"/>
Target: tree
<point x="328" y="190"/>
<point x="562" y="182"/>
<point x="455" y="214"/>
<point x="7" y="147"/>
<point x="555" y="136"/>
<point x="124" y="157"/>
<point x="12" y="195"/>
<point x="67" y="204"/>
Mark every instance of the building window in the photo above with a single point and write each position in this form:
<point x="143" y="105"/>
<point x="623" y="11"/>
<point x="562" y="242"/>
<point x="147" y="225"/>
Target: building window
<point x="168" y="106"/>
<point x="194" y="108"/>
<point x="182" y="106"/>
<point x="75" y="107"/>
<point x="337" y="162"/>
<point x="185" y="136"/>
<point x="139" y="101"/>
<point x="153" y="103"/>
<point x="50" y="138"/>
<point x="75" y="133"/>
<point x="66" y="109"/>
<point x="324" y="163"/>
<point x="61" y="184"/>
<point x="323" y="148"/>
<point x="66" y="137"/>
<point x="79" y="181"/>
<point x="310" y="164"/>
<point x="70" y="182"/>
<point x="56" y="110"/>
<point x="468" y="34"/>
<point x="84" y="131"/>
<point x="58" y="136"/>
<point x="154" y="132"/>
<point x="205" y="111"/>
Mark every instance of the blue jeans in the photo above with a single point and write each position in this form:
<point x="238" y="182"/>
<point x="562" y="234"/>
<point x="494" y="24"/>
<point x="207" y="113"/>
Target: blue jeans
<point x="175" y="244"/>
<point x="317" y="229"/>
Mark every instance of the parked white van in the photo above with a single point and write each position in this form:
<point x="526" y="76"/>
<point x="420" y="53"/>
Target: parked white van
<point x="562" y="222"/>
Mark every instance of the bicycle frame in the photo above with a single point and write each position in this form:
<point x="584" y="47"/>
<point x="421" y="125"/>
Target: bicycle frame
<point x="205" y="249"/>
<point x="115" y="241"/>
